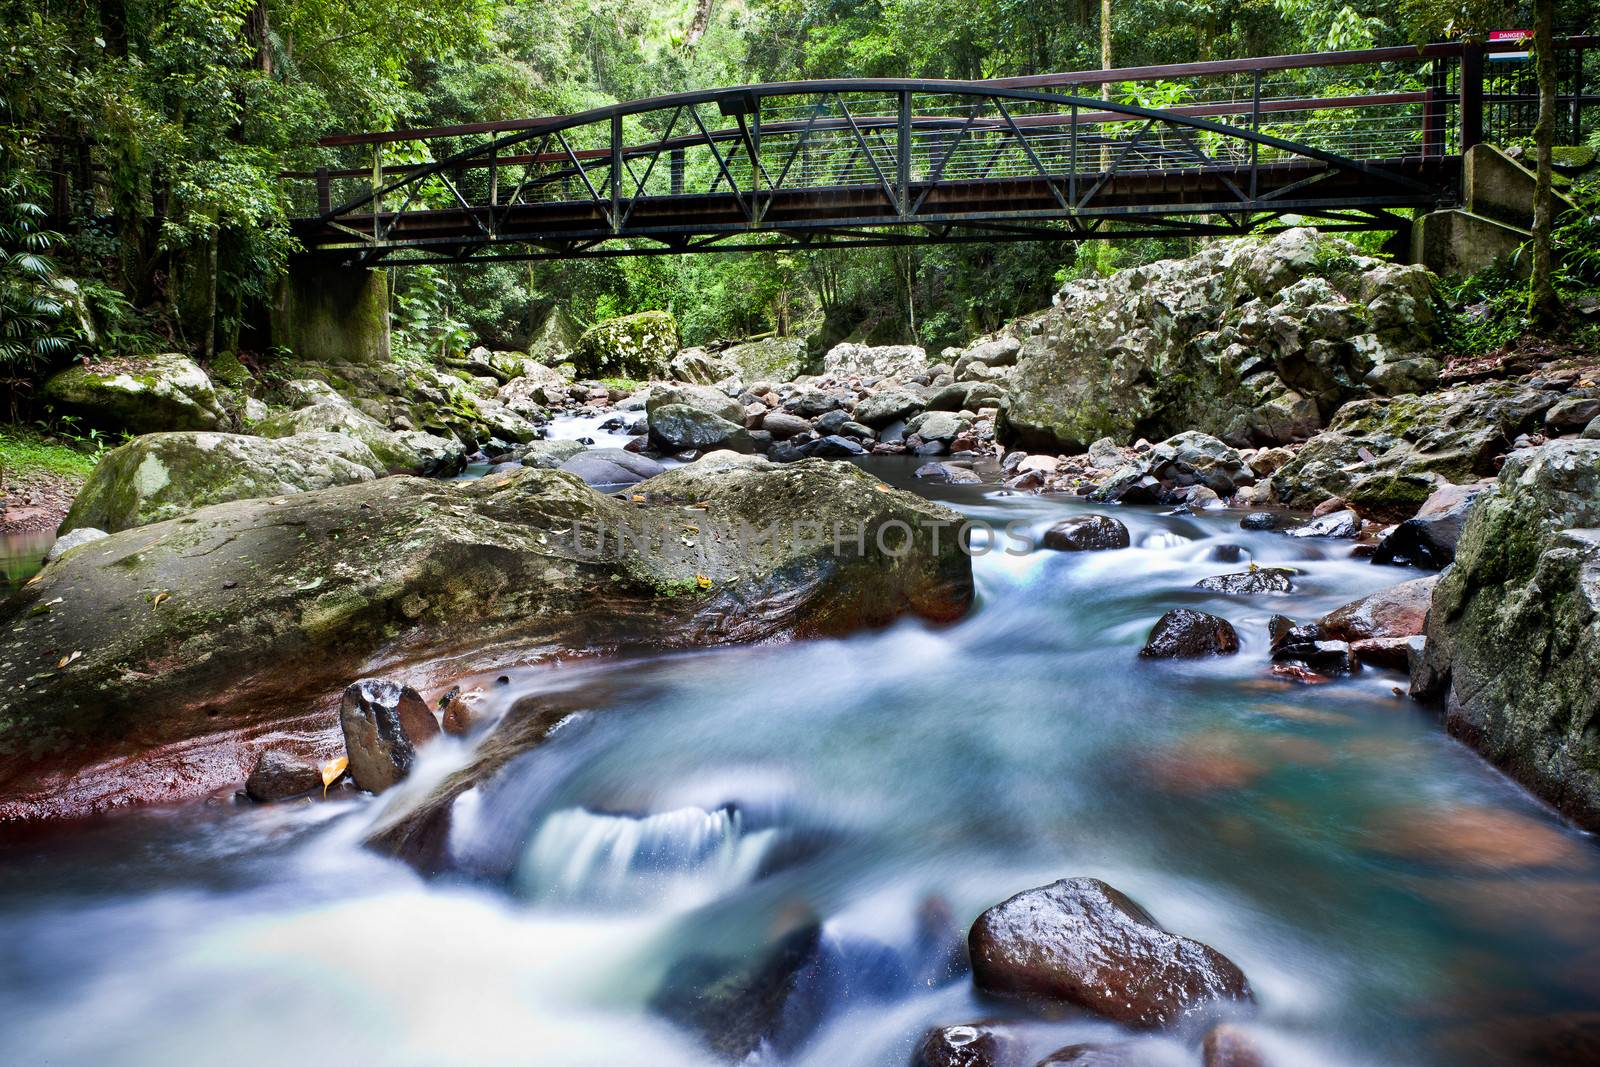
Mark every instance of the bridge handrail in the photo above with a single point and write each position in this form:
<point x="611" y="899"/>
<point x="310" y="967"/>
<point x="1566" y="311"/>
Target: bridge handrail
<point x="1305" y="60"/>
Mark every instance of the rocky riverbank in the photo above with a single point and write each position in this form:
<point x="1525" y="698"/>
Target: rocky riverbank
<point x="1290" y="377"/>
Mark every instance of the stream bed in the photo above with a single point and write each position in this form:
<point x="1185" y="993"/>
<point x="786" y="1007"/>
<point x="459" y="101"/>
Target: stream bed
<point x="1392" y="899"/>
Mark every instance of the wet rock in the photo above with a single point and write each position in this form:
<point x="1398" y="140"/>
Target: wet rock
<point x="279" y="775"/>
<point x="1086" y="533"/>
<point x="1193" y="458"/>
<point x="1095" y="1054"/>
<point x="1341" y="524"/>
<point x="675" y="427"/>
<point x="1513" y="633"/>
<point x="1303" y="653"/>
<point x="458" y="715"/>
<point x="611" y="466"/>
<point x="1429" y="538"/>
<point x="167" y="391"/>
<point x="165" y="475"/>
<point x="1081" y="942"/>
<point x="700" y="367"/>
<point x="201" y="635"/>
<point x="1266" y="520"/>
<point x="834" y="447"/>
<point x="83" y="535"/>
<point x="1185" y="634"/>
<point x="383" y="724"/>
<point x="947" y="472"/>
<point x="1398" y="611"/>
<point x="1227" y="1045"/>
<point x="969" y="1045"/>
<point x="1254" y="581"/>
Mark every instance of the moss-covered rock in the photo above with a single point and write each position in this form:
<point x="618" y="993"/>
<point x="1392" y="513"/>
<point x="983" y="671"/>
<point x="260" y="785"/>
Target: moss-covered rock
<point x="203" y="638"/>
<point x="1513" y="633"/>
<point x="556" y="338"/>
<point x="163" y="475"/>
<point x="1256" y="341"/>
<point x="637" y="346"/>
<point x="397" y="451"/>
<point x="154" y="393"/>
<point x="1386" y="455"/>
<point x="772" y="359"/>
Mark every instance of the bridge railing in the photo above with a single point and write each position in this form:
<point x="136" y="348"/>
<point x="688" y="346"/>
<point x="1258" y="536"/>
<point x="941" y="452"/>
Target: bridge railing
<point x="909" y="146"/>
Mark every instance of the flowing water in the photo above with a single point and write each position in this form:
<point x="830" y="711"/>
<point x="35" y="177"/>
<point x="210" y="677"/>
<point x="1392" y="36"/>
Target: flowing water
<point x="1391" y="898"/>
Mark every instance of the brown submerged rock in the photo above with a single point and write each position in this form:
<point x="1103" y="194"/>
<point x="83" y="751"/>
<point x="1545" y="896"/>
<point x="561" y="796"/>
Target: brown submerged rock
<point x="1185" y="634"/>
<point x="207" y="639"/>
<point x="384" y="724"/>
<point x="1086" y="533"/>
<point x="1227" y="1045"/>
<point x="1398" y="611"/>
<point x="969" y="1045"/>
<point x="1095" y="1054"/>
<point x="279" y="775"/>
<point x="1081" y="942"/>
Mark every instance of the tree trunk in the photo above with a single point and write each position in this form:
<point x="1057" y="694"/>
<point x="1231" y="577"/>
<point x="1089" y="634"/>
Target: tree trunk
<point x="1546" y="306"/>
<point x="1105" y="45"/>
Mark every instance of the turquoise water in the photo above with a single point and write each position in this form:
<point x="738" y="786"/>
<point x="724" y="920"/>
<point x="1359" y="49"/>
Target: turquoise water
<point x="1392" y="899"/>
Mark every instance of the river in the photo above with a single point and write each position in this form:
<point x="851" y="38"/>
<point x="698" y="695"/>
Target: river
<point x="1392" y="899"/>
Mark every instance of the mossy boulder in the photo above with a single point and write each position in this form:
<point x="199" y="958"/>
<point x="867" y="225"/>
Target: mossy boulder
<point x="556" y="338"/>
<point x="771" y="359"/>
<point x="1386" y="456"/>
<point x="1513" y="632"/>
<point x="192" y="644"/>
<point x="163" y="475"/>
<point x="397" y="451"/>
<point x="226" y="369"/>
<point x="167" y="391"/>
<point x="637" y="346"/>
<point x="1256" y="341"/>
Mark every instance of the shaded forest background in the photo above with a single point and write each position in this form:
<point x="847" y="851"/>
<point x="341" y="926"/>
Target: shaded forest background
<point x="140" y="142"/>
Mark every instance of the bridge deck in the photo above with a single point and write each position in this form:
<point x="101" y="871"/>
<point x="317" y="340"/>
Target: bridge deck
<point x="1344" y="138"/>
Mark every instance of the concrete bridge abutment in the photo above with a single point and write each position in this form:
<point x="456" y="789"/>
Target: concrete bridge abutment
<point x="325" y="313"/>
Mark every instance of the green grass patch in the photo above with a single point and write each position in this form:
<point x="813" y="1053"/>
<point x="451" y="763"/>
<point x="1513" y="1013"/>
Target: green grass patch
<point x="622" y="383"/>
<point x="24" y="451"/>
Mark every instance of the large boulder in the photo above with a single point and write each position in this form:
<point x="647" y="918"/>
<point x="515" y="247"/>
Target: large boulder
<point x="556" y="338"/>
<point x="611" y="466"/>
<point x="1428" y="538"/>
<point x="163" y="475"/>
<point x="675" y="427"/>
<point x="156" y="663"/>
<point x="1255" y="341"/>
<point x="849" y="360"/>
<point x="889" y="405"/>
<point x="1086" y="533"/>
<point x="1194" y="458"/>
<point x="633" y="346"/>
<point x="167" y="391"/>
<point x="700" y="397"/>
<point x="1513" y="632"/>
<point x="701" y="367"/>
<point x="1387" y="456"/>
<point x="771" y="359"/>
<point x="1183" y="633"/>
<point x="1080" y="942"/>
<point x="397" y="451"/>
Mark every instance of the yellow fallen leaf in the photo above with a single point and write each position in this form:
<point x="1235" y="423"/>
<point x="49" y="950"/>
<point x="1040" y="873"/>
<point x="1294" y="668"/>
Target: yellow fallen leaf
<point x="35" y="578"/>
<point x="331" y="772"/>
<point x="881" y="488"/>
<point x="68" y="659"/>
<point x="156" y="603"/>
<point x="702" y="581"/>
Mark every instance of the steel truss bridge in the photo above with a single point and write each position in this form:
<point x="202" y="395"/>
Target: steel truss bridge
<point x="1349" y="140"/>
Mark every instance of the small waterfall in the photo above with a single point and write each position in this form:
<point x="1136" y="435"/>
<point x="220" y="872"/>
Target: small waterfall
<point x="688" y="853"/>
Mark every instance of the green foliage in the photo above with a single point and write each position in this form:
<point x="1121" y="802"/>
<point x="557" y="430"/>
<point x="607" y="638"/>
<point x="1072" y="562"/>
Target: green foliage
<point x="423" y="326"/>
<point x="32" y="333"/>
